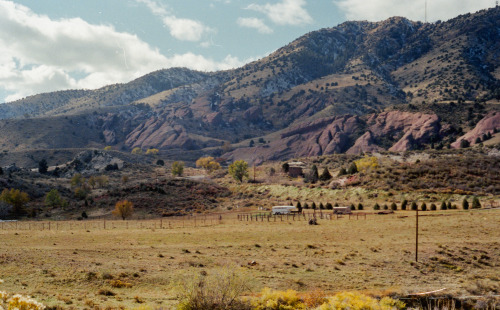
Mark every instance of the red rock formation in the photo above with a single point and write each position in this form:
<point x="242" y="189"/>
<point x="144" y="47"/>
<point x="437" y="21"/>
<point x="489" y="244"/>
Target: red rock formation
<point x="487" y="125"/>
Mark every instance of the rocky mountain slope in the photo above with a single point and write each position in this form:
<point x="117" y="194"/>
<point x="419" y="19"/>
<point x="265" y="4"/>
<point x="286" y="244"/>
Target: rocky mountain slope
<point x="358" y="87"/>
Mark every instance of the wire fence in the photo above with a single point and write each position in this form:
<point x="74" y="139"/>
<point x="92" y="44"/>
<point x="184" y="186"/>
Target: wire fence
<point x="103" y="224"/>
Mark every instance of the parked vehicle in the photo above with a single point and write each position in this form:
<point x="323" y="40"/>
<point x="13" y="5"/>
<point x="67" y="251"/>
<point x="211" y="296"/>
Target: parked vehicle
<point x="284" y="210"/>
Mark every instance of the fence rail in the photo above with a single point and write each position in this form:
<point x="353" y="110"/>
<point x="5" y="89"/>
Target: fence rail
<point x="172" y="222"/>
<point x="162" y="223"/>
<point x="268" y="217"/>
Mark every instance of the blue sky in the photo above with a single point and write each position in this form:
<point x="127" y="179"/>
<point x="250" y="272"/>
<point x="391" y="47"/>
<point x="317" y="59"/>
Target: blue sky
<point x="48" y="45"/>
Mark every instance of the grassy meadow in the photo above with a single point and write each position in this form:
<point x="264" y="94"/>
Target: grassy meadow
<point x="141" y="267"/>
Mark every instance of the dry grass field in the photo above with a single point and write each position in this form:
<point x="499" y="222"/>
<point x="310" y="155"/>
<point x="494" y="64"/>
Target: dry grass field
<point x="89" y="267"/>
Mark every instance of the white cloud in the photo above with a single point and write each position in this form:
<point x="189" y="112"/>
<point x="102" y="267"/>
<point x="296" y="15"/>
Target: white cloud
<point x="376" y="10"/>
<point x="180" y="28"/>
<point x="255" y="23"/>
<point x="185" y="29"/>
<point x="287" y="12"/>
<point x="38" y="54"/>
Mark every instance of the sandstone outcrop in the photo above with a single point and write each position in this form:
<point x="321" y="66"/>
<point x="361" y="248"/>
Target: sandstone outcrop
<point x="487" y="125"/>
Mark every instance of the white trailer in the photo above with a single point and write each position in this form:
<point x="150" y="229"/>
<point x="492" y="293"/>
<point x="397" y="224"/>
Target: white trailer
<point x="283" y="209"/>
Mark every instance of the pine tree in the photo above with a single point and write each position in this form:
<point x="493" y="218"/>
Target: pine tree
<point x="404" y="204"/>
<point x="475" y="203"/>
<point x="414" y="206"/>
<point x="352" y="169"/>
<point x="465" y="204"/>
<point x="325" y="175"/>
<point x="443" y="206"/>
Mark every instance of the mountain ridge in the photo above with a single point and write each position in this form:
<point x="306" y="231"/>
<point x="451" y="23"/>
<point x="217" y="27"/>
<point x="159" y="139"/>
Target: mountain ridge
<point x="356" y="69"/>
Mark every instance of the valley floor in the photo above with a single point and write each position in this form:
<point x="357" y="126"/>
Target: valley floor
<point x="83" y="267"/>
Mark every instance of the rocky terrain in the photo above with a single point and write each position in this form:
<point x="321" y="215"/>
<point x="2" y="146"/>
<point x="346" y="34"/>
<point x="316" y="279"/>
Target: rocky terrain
<point x="359" y="87"/>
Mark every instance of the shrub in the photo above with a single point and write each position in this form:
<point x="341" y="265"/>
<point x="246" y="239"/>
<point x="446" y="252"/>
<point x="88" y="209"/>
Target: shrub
<point x="360" y="206"/>
<point x="404" y="204"/>
<point x="177" y="168"/>
<point x="137" y="151"/>
<point x="160" y="162"/>
<point x="220" y="289"/>
<point x="19" y="302"/>
<point x="465" y="204"/>
<point x="278" y="300"/>
<point x="394" y="206"/>
<point x="208" y="163"/>
<point x="433" y="207"/>
<point x="376" y="206"/>
<point x="152" y="152"/>
<point x="355" y="300"/>
<point x="423" y="207"/>
<point x="414" y="206"/>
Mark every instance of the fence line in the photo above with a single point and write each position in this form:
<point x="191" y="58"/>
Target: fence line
<point x="161" y="223"/>
<point x="268" y="217"/>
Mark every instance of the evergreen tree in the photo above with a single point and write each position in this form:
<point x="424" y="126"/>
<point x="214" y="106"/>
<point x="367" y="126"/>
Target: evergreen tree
<point x="325" y="175"/>
<point x="376" y="206"/>
<point x="465" y="204"/>
<point x="360" y="206"/>
<point x="414" y="206"/>
<point x="352" y="169"/>
<point x="443" y="206"/>
<point x="475" y="203"/>
<point x="43" y="166"/>
<point x="423" y="207"/>
<point x="329" y="206"/>
<point x="404" y="204"/>
<point x="313" y="206"/>
<point x="394" y="206"/>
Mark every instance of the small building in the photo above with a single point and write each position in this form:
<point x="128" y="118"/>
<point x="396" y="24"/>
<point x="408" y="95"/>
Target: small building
<point x="296" y="169"/>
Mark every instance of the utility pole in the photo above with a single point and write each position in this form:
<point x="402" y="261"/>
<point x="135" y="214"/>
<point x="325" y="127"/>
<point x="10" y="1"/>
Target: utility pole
<point x="416" y="237"/>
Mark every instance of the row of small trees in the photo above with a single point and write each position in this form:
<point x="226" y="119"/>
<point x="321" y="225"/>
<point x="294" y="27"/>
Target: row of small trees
<point x="476" y="204"/>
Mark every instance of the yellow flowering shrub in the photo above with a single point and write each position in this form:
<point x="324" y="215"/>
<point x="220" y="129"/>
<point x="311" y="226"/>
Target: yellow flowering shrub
<point x="358" y="301"/>
<point x="20" y="302"/>
<point x="366" y="163"/>
<point x="278" y="300"/>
